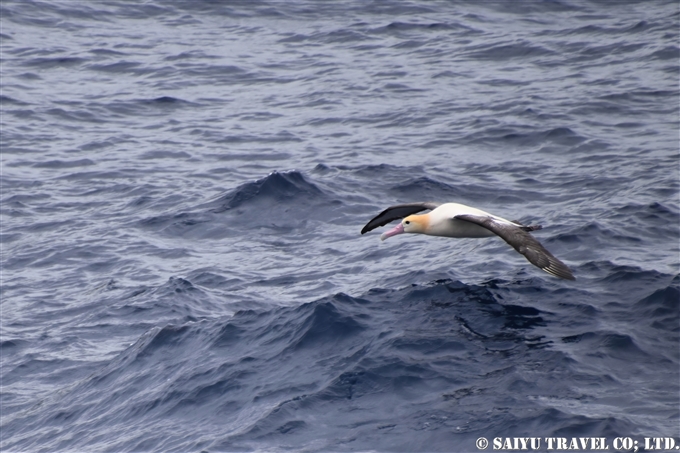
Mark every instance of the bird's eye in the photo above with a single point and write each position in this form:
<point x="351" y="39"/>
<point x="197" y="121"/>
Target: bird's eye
<point x="407" y="222"/>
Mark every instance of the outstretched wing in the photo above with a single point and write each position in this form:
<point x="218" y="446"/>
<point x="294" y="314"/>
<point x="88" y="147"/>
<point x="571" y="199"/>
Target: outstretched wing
<point x="396" y="212"/>
<point x="524" y="243"/>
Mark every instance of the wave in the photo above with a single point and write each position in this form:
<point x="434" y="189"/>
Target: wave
<point x="522" y="136"/>
<point x="280" y="200"/>
<point x="278" y="187"/>
<point x="425" y="357"/>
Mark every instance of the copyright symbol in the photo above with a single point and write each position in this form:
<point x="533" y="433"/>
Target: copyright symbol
<point x="482" y="443"/>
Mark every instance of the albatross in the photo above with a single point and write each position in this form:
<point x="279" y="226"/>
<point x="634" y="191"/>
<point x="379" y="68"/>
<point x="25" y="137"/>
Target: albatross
<point x="455" y="220"/>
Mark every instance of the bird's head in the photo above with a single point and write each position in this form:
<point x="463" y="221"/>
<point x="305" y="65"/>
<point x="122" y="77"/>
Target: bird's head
<point x="410" y="224"/>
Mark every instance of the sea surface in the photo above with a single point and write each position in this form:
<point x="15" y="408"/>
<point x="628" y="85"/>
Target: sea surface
<point x="183" y="186"/>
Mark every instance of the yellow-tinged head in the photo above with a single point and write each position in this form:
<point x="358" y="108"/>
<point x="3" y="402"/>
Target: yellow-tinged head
<point x="416" y="223"/>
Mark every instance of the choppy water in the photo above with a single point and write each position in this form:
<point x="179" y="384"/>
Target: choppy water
<point x="183" y="186"/>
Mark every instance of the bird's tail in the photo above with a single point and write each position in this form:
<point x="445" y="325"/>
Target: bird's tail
<point x="528" y="227"/>
<point x="531" y="227"/>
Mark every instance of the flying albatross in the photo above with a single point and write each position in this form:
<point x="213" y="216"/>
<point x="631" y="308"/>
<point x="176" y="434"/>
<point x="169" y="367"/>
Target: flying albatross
<point x="459" y="221"/>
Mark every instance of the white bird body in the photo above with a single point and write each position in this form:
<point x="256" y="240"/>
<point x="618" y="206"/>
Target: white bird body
<point x="442" y="222"/>
<point x="456" y="220"/>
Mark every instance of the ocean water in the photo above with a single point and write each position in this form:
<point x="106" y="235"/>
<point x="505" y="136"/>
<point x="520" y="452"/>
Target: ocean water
<point x="183" y="184"/>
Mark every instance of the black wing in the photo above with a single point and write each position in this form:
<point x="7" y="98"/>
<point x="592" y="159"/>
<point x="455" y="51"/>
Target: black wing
<point x="524" y="243"/>
<point x="396" y="212"/>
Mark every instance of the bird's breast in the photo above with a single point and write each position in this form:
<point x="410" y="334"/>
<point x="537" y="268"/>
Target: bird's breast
<point x="455" y="228"/>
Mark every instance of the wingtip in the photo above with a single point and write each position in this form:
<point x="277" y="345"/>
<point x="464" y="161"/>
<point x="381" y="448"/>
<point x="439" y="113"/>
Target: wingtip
<point x="569" y="277"/>
<point x="559" y="270"/>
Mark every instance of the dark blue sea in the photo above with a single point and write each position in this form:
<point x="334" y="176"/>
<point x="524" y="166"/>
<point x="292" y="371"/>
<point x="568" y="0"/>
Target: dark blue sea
<point x="183" y="186"/>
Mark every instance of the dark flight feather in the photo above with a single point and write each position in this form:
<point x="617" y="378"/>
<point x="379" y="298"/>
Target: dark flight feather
<point x="524" y="243"/>
<point x="396" y="212"/>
